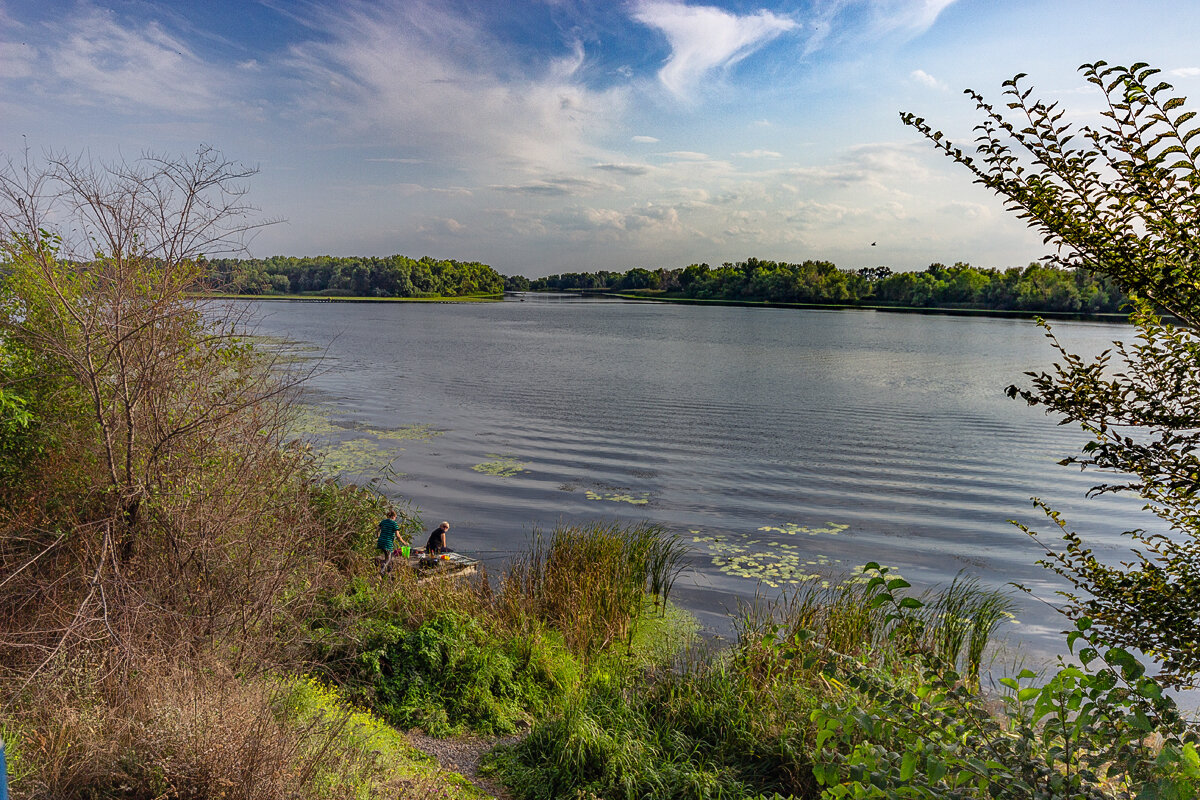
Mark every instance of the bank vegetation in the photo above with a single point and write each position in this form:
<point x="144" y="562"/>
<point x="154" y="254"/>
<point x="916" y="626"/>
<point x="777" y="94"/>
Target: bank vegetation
<point x="189" y="608"/>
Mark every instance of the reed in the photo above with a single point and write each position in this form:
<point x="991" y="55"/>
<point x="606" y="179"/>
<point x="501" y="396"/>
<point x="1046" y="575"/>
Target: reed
<point x="589" y="581"/>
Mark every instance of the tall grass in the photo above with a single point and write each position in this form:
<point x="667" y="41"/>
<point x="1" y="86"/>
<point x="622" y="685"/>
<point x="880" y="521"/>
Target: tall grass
<point x="735" y="723"/>
<point x="589" y="581"/>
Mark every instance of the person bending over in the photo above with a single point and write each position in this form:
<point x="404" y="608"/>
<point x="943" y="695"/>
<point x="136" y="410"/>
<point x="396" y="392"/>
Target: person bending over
<point x="437" y="540"/>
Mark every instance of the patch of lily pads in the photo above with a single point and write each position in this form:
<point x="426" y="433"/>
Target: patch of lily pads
<point x="776" y="563"/>
<point x="501" y="466"/>
<point x="633" y="498"/>
<point x="791" y="529"/>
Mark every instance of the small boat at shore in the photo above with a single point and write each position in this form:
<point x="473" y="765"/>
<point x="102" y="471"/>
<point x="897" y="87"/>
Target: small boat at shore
<point x="445" y="564"/>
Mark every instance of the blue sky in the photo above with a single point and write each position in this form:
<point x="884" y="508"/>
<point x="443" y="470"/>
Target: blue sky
<point x="543" y="136"/>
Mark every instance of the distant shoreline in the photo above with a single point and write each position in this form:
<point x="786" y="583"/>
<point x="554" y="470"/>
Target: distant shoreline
<point x="313" y="298"/>
<point x="955" y="312"/>
<point x="1081" y="316"/>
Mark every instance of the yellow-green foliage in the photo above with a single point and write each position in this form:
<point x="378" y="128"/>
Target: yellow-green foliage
<point x="350" y="448"/>
<point x="772" y="563"/>
<point x="310" y="701"/>
<point x="792" y="528"/>
<point x="501" y="466"/>
<point x="636" y="499"/>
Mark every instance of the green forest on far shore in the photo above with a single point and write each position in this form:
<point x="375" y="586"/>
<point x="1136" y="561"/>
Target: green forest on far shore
<point x="355" y="276"/>
<point x="1036" y="287"/>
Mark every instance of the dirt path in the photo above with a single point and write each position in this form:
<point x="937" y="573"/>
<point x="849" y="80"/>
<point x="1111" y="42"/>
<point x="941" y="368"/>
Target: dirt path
<point x="462" y="755"/>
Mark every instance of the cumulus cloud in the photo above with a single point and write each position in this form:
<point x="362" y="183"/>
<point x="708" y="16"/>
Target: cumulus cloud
<point x="704" y="38"/>
<point x="925" y="79"/>
<point x="441" y="227"/>
<point x="648" y="218"/>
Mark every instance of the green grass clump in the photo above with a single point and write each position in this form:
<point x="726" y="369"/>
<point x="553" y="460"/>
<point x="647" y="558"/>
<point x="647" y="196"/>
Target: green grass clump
<point x="737" y="723"/>
<point x="589" y="581"/>
<point x="450" y="675"/>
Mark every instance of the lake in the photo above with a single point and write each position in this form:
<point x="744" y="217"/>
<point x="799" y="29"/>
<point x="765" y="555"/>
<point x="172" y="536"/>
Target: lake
<point x="781" y="443"/>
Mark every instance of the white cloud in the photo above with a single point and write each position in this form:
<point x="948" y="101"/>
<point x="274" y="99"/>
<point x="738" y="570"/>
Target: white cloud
<point x="686" y="155"/>
<point x="626" y="169"/>
<point x="560" y="186"/>
<point x="842" y="21"/>
<point x="925" y="79"/>
<point x="16" y="60"/>
<point x="100" y="63"/>
<point x="644" y="139"/>
<point x="441" y="227"/>
<point x="759" y="154"/>
<point x="1185" y="72"/>
<point x="704" y="38"/>
<point x="437" y="86"/>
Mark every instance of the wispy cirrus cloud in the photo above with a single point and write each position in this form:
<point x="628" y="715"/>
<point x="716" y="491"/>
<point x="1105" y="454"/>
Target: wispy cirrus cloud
<point x="89" y="58"/>
<point x="625" y="169"/>
<point x="836" y="22"/>
<point x="435" y="85"/>
<point x="704" y="38"/>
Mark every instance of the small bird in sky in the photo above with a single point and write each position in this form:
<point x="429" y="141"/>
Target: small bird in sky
<point x="872" y="244"/>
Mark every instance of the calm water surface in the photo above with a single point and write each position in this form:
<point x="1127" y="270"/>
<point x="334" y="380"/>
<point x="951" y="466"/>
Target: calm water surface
<point x="792" y="442"/>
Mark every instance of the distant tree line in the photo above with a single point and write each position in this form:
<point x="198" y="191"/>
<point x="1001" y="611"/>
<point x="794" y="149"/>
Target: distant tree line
<point x="1036" y="287"/>
<point x="353" y="276"/>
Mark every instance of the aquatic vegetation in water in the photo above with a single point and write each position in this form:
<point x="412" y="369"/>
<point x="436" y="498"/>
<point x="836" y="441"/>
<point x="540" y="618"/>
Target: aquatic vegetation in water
<point x="772" y="563"/>
<point x="359" y="457"/>
<point x="791" y="529"/>
<point x="313" y="423"/>
<point x="637" y="499"/>
<point x="407" y="433"/>
<point x="349" y="447"/>
<point x="503" y="466"/>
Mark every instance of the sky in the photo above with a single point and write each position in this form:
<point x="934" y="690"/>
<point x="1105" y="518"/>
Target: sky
<point x="547" y="136"/>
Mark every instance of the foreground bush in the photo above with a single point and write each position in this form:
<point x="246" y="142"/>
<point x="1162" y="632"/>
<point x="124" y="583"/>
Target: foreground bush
<point x="739" y="723"/>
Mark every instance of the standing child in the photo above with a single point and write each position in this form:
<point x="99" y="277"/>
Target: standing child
<point x="386" y="544"/>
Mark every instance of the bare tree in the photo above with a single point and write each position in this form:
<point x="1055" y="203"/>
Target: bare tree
<point x="176" y="417"/>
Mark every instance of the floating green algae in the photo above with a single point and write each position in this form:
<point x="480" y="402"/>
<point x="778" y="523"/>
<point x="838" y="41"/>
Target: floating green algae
<point x="314" y="422"/>
<point x="637" y="499"/>
<point x="503" y="466"/>
<point x="358" y="457"/>
<point x="350" y="447"/>
<point x="407" y="433"/>
<point x="791" y="529"/>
